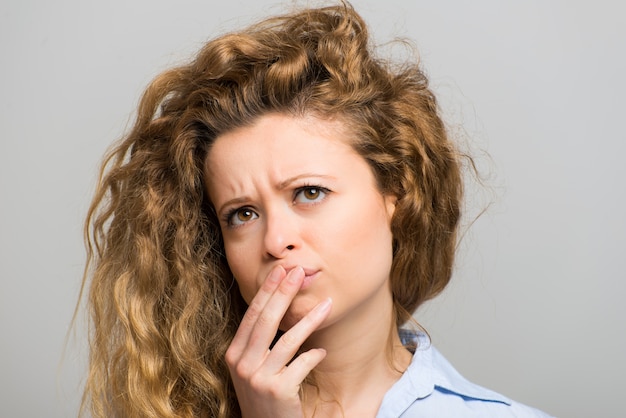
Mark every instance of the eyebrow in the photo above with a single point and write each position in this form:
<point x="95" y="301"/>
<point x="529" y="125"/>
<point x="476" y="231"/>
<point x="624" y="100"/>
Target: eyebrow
<point x="232" y="202"/>
<point x="285" y="183"/>
<point x="280" y="186"/>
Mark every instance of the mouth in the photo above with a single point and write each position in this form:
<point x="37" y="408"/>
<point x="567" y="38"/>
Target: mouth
<point x="308" y="279"/>
<point x="309" y="276"/>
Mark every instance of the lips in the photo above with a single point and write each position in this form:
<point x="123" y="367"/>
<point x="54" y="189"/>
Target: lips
<point x="308" y="279"/>
<point x="309" y="276"/>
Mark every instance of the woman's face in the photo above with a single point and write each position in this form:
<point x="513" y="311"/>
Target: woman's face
<point x="292" y="192"/>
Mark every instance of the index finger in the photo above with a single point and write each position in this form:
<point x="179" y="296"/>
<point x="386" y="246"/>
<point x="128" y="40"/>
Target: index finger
<point x="269" y="286"/>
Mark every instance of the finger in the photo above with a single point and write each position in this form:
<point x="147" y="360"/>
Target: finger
<point x="269" y="286"/>
<point x="269" y="319"/>
<point x="302" y="365"/>
<point x="287" y="346"/>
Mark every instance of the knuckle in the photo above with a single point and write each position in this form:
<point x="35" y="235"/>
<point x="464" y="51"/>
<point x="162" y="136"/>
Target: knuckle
<point x="285" y="289"/>
<point x="259" y="384"/>
<point x="276" y="391"/>
<point x="308" y="359"/>
<point x="267" y="319"/>
<point x="268" y="286"/>
<point x="289" y="340"/>
<point x="242" y="370"/>
<point x="253" y="312"/>
<point x="230" y="357"/>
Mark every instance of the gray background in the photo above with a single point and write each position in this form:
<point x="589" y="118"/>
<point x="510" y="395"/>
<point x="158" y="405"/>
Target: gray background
<point x="535" y="88"/>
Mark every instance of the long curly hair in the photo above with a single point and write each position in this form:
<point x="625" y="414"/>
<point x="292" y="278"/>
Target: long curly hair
<point x="163" y="303"/>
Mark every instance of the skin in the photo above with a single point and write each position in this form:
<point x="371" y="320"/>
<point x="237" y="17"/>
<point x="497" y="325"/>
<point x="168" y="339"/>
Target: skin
<point x="307" y="236"/>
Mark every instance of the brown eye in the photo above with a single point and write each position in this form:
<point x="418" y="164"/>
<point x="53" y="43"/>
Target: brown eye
<point x="310" y="194"/>
<point x="244" y="215"/>
<point x="241" y="216"/>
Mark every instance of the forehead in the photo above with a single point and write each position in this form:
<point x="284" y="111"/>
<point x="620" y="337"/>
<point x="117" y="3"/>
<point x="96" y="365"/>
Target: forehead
<point x="265" y="127"/>
<point x="279" y="137"/>
<point x="277" y="147"/>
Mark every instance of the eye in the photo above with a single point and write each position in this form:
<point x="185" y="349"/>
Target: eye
<point x="238" y="217"/>
<point x="310" y="194"/>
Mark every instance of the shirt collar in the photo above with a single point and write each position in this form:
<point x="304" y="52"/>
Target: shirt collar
<point x="447" y="379"/>
<point x="429" y="371"/>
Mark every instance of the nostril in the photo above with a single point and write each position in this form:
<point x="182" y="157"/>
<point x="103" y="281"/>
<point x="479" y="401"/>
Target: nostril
<point x="290" y="247"/>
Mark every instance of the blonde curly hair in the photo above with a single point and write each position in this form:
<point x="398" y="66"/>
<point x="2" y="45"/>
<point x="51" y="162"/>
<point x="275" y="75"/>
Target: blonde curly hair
<point x="163" y="303"/>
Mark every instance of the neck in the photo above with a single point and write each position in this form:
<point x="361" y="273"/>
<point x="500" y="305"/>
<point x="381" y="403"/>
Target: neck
<point x="364" y="359"/>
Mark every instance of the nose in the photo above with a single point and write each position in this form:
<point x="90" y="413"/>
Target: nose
<point x="281" y="235"/>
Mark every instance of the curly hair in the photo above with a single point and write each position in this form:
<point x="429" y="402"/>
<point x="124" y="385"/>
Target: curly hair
<point x="163" y="303"/>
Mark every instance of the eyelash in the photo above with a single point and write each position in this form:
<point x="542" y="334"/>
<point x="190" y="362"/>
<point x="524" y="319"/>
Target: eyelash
<point x="325" y="191"/>
<point x="229" y="215"/>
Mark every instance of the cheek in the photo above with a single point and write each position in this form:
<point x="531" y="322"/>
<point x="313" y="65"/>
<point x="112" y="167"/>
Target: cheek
<point x="242" y="268"/>
<point x="365" y="242"/>
<point x="375" y="246"/>
<point x="376" y="242"/>
<point x="370" y="225"/>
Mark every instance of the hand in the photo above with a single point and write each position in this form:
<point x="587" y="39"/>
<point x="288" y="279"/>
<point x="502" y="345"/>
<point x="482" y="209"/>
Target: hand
<point x="265" y="385"/>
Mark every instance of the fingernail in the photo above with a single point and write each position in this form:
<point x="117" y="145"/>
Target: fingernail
<point x="324" y="305"/>
<point x="275" y="274"/>
<point x="296" y="274"/>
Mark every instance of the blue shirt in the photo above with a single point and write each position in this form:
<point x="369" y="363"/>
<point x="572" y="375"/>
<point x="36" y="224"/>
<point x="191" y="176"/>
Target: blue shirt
<point x="431" y="387"/>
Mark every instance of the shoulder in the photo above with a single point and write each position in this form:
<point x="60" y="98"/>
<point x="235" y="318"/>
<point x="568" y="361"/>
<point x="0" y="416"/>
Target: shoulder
<point x="432" y="387"/>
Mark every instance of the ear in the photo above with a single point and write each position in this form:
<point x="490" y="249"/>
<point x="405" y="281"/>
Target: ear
<point x="390" y="205"/>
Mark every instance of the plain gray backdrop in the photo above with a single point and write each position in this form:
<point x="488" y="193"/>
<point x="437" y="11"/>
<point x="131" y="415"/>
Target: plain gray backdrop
<point x="535" y="88"/>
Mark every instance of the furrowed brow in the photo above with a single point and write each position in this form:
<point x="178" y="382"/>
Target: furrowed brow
<point x="285" y="183"/>
<point x="233" y="202"/>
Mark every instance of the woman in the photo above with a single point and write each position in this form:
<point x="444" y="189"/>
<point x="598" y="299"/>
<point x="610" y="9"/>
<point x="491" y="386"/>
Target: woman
<point x="279" y="209"/>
